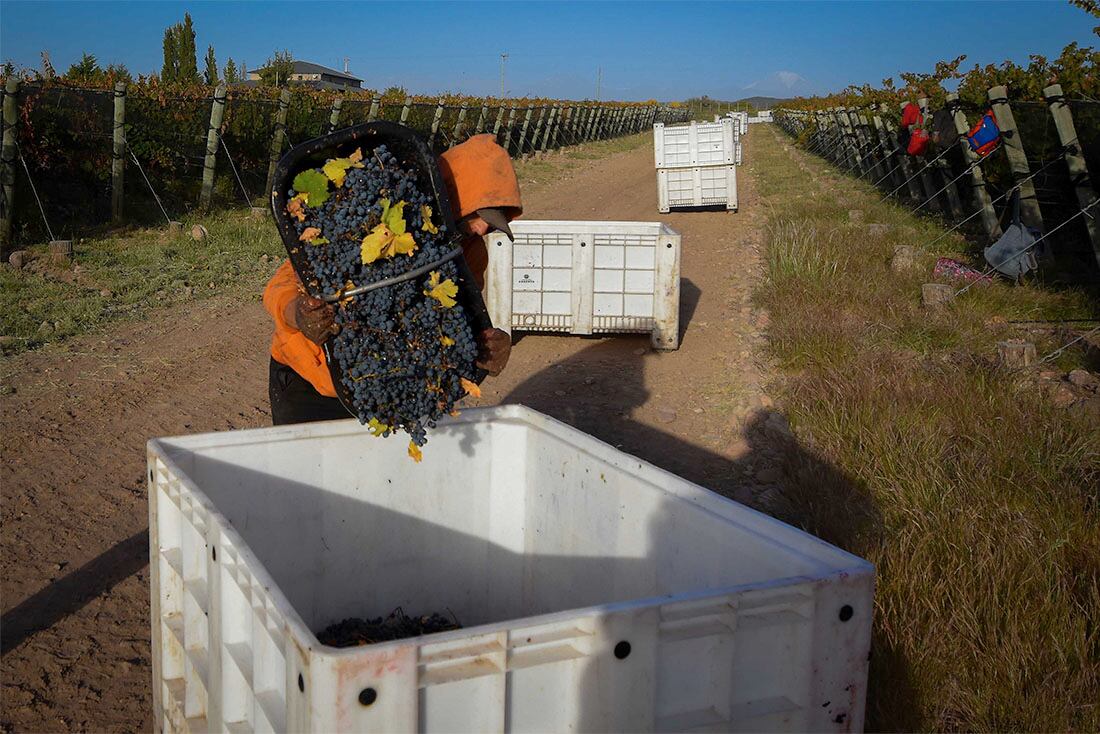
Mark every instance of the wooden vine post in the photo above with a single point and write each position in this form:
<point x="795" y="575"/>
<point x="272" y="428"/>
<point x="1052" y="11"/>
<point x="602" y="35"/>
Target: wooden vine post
<point x="549" y="127"/>
<point x="1078" y="171"/>
<point x="481" y="119"/>
<point x="213" y="138"/>
<point x="277" y="140"/>
<point x="7" y="161"/>
<point x="926" y="180"/>
<point x="405" y="109"/>
<point x="988" y="217"/>
<point x="1017" y="158"/>
<point x="523" y="131"/>
<point x="375" y="102"/>
<point x="499" y="121"/>
<point x="118" y="152"/>
<point x="538" y="129"/>
<point x="435" y="124"/>
<point x="334" y="114"/>
<point x="460" y="123"/>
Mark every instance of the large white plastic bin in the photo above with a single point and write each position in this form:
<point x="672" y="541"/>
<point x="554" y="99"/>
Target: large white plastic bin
<point x="599" y="593"/>
<point x="582" y="277"/>
<point x="694" y="144"/>
<point x="679" y="188"/>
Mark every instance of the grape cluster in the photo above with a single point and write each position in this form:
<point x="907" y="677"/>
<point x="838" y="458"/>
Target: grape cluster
<point x="401" y="354"/>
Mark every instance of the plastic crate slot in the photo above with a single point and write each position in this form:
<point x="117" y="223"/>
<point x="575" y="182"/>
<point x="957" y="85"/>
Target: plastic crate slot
<point x="476" y="667"/>
<point x="429" y="657"/>
<point x="522" y="638"/>
<point x="272" y="706"/>
<point x="173" y="557"/>
<point x="241" y="655"/>
<point x="239" y="727"/>
<point x="544" y="655"/>
<point x="173" y="623"/>
<point x="199" y="661"/>
<point x="199" y="591"/>
<point x="754" y="620"/>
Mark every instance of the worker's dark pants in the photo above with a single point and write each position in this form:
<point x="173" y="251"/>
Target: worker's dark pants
<point x="294" y="400"/>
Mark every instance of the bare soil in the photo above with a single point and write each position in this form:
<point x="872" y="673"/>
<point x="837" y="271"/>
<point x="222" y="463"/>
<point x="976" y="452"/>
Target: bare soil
<point x="75" y="595"/>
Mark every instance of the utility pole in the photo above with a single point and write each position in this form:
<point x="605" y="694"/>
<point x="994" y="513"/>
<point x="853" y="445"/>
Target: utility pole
<point x="599" y="78"/>
<point x="503" y="58"/>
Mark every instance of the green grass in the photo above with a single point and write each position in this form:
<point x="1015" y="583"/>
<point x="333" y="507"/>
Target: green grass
<point x="142" y="270"/>
<point x="975" y="495"/>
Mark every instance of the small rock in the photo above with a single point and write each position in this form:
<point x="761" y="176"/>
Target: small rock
<point x="1016" y="353"/>
<point x="1081" y="378"/>
<point x="560" y="393"/>
<point x="769" y="475"/>
<point x="640" y="351"/>
<point x="1063" y="396"/>
<point x="57" y="326"/>
<point x="590" y="381"/>
<point x="666" y="415"/>
<point x="45" y="328"/>
<point x="766" y="402"/>
<point x="855" y="215"/>
<point x="78" y="269"/>
<point x="697" y="410"/>
<point x="905" y="258"/>
<point x="7" y="341"/>
<point x="877" y="230"/>
<point x="106" y="293"/>
<point x="188" y="291"/>
<point x="18" y="259"/>
<point x="199" y="232"/>
<point x="265" y="259"/>
<point x="936" y="294"/>
<point x="1049" y="375"/>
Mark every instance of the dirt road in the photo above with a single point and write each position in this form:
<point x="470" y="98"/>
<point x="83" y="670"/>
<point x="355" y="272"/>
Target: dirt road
<point x="75" y="626"/>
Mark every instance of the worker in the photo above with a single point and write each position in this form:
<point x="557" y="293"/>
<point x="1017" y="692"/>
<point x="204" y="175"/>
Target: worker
<point x="484" y="196"/>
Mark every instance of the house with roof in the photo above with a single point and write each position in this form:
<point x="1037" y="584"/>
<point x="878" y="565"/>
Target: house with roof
<point x="316" y="76"/>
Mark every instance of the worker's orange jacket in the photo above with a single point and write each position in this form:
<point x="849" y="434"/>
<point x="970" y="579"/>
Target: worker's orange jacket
<point x="478" y="175"/>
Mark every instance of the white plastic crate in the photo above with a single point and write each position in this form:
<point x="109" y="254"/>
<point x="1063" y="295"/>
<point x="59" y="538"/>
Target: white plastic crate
<point x="694" y="187"/>
<point x="694" y="144"/>
<point x="586" y="278"/>
<point x="599" y="593"/>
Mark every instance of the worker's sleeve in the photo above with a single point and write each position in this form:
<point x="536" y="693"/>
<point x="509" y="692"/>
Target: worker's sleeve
<point x="283" y="288"/>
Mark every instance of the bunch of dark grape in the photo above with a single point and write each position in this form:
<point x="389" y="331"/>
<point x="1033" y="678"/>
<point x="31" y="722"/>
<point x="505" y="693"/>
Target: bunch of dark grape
<point x="406" y="352"/>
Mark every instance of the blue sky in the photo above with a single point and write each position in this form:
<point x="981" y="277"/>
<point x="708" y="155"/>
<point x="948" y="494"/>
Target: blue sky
<point x="664" y="50"/>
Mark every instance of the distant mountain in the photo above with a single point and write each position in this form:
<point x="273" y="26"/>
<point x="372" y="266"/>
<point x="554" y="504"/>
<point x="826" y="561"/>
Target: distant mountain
<point x="762" y="103"/>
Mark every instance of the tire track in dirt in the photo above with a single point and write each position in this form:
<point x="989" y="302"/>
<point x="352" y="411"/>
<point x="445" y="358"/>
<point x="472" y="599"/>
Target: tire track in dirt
<point x="73" y="571"/>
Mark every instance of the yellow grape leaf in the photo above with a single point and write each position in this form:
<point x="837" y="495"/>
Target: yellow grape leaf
<point x="446" y="341"/>
<point x="374" y="244"/>
<point x="426" y="215"/>
<point x="415" y="453"/>
<point x="356" y="157"/>
<point x="319" y="241"/>
<point x="388" y="238"/>
<point x="335" y="170"/>
<point x="471" y="388"/>
<point x="444" y="292"/>
<point x="295" y="208"/>
<point x="455" y="413"/>
<point x="309" y="233"/>
<point x="376" y="427"/>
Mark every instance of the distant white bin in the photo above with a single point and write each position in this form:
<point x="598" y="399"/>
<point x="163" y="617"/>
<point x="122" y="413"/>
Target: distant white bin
<point x="694" y="144"/>
<point x="586" y="277"/>
<point x="599" y="593"/>
<point x="679" y="188"/>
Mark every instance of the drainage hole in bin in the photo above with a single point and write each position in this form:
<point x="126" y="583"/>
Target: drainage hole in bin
<point x="846" y="612"/>
<point x="668" y="245"/>
<point x="301" y="683"/>
<point x="622" y="650"/>
<point x="367" y="696"/>
<point x="150" y="475"/>
<point x="584" y="244"/>
<point x="214" y="552"/>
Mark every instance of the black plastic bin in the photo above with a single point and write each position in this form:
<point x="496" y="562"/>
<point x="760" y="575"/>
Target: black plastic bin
<point x="412" y="151"/>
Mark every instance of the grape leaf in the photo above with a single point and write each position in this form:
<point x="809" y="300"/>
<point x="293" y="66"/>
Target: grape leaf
<point x="376" y="427"/>
<point x="415" y="453"/>
<point x="388" y="238"/>
<point x="444" y="291"/>
<point x="471" y="388"/>
<point x="309" y="233"/>
<point x="337" y="168"/>
<point x="318" y="241"/>
<point x="314" y="185"/>
<point x="426" y="215"/>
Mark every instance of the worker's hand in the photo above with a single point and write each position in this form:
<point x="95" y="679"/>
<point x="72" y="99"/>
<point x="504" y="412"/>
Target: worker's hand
<point x="494" y="348"/>
<point x="313" y="317"/>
